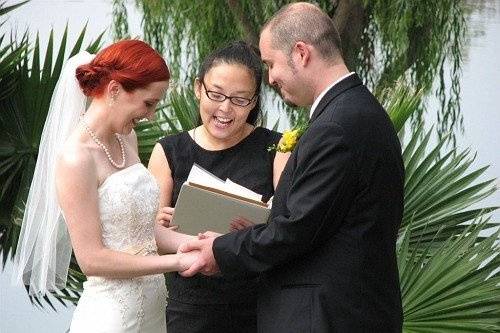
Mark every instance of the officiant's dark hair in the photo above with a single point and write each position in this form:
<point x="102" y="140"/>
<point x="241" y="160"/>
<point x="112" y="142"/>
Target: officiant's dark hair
<point x="238" y="53"/>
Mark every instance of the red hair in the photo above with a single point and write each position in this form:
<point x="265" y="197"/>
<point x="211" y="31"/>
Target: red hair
<point x="132" y="63"/>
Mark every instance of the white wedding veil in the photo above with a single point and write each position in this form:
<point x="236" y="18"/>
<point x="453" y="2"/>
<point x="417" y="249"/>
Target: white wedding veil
<point x="44" y="250"/>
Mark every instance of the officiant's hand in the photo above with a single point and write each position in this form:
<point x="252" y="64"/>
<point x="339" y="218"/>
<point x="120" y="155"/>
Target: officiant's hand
<point x="205" y="262"/>
<point x="240" y="223"/>
<point x="164" y="217"/>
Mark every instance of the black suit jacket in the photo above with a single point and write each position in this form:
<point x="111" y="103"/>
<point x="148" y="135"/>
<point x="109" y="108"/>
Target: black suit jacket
<point x="327" y="253"/>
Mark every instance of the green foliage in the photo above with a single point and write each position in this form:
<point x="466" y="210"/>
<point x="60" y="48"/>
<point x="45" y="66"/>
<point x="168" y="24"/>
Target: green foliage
<point x="24" y="110"/>
<point x="10" y="56"/>
<point x="439" y="186"/>
<point x="448" y="271"/>
<point x="120" y="23"/>
<point x="20" y="124"/>
<point x="451" y="288"/>
<point x="417" y="39"/>
<point x="396" y="38"/>
<point x="400" y="102"/>
<point x="439" y="189"/>
<point x="183" y="113"/>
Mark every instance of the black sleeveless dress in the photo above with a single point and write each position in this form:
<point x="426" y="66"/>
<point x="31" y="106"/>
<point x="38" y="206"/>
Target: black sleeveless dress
<point x="216" y="304"/>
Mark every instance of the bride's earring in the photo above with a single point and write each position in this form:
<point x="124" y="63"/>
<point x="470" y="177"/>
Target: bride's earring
<point x="112" y="100"/>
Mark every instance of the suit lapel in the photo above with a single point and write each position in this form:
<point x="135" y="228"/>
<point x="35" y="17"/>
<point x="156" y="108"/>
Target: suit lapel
<point x="346" y="84"/>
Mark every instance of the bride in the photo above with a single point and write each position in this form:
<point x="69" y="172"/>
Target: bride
<point x="90" y="186"/>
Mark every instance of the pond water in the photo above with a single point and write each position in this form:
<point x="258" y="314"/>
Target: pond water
<point x="480" y="88"/>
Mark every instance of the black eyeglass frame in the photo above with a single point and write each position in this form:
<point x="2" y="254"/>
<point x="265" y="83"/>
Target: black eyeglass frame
<point x="231" y="98"/>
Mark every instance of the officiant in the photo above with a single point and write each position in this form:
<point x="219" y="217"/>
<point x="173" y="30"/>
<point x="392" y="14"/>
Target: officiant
<point x="228" y="143"/>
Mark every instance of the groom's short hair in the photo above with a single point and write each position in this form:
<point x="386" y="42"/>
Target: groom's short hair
<point x="307" y="23"/>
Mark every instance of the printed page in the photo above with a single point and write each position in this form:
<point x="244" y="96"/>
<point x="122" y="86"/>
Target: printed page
<point x="242" y="191"/>
<point x="200" y="176"/>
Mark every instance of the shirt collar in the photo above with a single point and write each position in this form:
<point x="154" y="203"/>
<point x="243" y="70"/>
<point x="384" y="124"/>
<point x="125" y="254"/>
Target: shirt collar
<point x="316" y="101"/>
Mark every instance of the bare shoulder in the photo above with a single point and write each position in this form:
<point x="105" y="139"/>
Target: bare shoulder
<point x="158" y="162"/>
<point x="75" y="164"/>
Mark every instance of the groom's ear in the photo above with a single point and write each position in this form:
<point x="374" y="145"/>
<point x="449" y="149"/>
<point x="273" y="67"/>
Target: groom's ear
<point x="197" y="88"/>
<point x="301" y="53"/>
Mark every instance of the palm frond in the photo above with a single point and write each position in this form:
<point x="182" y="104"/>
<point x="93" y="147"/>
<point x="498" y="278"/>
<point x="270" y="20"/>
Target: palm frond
<point x="401" y="102"/>
<point x="4" y="10"/>
<point x="183" y="111"/>
<point x="439" y="189"/>
<point x="179" y="113"/>
<point x="148" y="133"/>
<point x="456" y="288"/>
<point x="22" y="118"/>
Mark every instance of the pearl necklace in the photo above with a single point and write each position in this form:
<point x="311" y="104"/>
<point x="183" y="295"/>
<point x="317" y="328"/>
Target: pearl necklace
<point x="100" y="144"/>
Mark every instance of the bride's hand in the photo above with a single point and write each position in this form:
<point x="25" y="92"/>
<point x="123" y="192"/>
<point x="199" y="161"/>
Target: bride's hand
<point x="240" y="223"/>
<point x="164" y="217"/>
<point x="208" y="234"/>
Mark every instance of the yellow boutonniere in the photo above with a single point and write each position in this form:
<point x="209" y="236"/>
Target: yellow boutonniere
<point x="289" y="139"/>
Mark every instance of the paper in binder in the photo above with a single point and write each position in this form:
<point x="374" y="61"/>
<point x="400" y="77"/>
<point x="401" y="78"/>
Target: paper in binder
<point x="206" y="202"/>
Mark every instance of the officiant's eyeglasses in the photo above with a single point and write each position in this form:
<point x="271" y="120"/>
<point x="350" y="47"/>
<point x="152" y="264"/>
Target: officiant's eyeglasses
<point x="218" y="97"/>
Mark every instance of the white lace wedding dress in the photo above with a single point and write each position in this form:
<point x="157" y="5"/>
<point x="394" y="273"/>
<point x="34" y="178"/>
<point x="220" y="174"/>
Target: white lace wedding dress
<point x="128" y="202"/>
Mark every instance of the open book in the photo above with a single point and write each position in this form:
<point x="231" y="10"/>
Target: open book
<point x="206" y="202"/>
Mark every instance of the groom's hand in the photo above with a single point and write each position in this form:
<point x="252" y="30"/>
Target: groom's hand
<point x="205" y="263"/>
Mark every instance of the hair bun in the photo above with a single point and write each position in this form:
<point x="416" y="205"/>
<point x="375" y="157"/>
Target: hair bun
<point x="90" y="76"/>
<point x="131" y="63"/>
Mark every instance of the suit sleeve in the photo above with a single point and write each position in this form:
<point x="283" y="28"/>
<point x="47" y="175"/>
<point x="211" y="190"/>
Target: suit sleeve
<point x="319" y="197"/>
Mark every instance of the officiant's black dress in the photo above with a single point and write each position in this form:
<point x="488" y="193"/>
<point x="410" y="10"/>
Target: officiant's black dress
<point x="215" y="304"/>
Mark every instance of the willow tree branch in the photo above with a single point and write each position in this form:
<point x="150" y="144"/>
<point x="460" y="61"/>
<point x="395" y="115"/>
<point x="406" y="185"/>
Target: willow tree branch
<point x="252" y="36"/>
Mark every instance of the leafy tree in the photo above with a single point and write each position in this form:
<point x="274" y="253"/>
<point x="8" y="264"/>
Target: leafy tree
<point x="382" y="40"/>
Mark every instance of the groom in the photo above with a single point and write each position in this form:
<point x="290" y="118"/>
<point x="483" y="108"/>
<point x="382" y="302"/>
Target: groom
<point x="327" y="253"/>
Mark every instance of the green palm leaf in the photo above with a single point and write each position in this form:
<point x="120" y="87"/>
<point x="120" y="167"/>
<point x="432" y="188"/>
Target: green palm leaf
<point x="148" y="133"/>
<point x="456" y="288"/>
<point x="5" y="9"/>
<point x="22" y="118"/>
<point x="400" y="102"/>
<point x="180" y="113"/>
<point x="440" y="189"/>
<point x="183" y="111"/>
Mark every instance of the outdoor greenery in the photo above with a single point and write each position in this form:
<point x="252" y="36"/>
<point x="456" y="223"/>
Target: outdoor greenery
<point x="382" y="40"/>
<point x="447" y="248"/>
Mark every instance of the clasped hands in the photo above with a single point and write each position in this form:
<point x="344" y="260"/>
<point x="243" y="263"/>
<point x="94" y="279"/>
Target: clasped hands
<point x="198" y="256"/>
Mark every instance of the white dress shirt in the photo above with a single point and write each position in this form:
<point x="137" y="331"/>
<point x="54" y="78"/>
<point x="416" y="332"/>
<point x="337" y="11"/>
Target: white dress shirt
<point x="316" y="101"/>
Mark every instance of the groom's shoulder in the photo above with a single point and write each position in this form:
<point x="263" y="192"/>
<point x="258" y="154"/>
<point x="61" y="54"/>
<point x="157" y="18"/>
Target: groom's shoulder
<point x="355" y="107"/>
<point x="356" y="114"/>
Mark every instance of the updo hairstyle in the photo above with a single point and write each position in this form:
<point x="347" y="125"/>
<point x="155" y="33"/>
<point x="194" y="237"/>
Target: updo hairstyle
<point x="132" y="63"/>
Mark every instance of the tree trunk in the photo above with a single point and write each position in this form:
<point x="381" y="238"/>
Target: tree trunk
<point x="251" y="34"/>
<point x="350" y="19"/>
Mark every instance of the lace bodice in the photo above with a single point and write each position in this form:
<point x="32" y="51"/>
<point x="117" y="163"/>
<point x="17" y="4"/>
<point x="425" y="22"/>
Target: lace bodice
<point x="128" y="202"/>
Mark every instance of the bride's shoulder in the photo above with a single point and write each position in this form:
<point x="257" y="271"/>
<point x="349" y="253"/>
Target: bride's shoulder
<point x="75" y="159"/>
